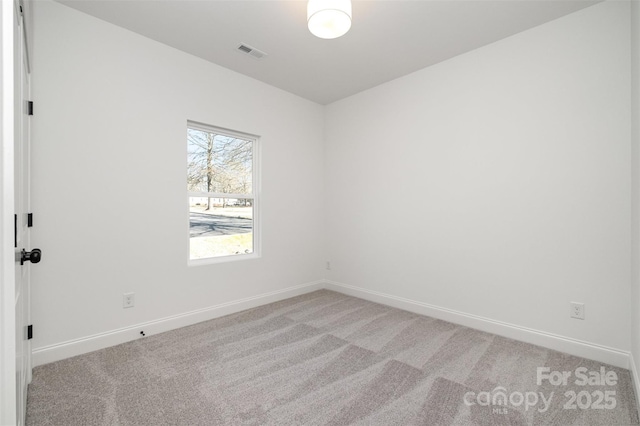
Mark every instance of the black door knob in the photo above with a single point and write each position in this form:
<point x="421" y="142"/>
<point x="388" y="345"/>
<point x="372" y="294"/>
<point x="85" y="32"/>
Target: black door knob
<point x="32" y="256"/>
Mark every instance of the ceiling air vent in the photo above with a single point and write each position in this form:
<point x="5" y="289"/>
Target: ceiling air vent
<point x="251" y="51"/>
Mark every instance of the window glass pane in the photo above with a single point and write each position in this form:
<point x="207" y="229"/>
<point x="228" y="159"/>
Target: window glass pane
<point x="222" y="200"/>
<point x="219" y="163"/>
<point x="220" y="227"/>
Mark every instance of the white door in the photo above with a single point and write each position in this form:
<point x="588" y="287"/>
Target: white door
<point x="22" y="119"/>
<point x="15" y="355"/>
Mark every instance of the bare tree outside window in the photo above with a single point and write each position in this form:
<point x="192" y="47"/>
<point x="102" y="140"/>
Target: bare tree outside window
<point x="221" y="196"/>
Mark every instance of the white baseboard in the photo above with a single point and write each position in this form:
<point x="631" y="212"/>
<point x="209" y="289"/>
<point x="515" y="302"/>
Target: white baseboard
<point x="616" y="357"/>
<point x="564" y="344"/>
<point x="51" y="353"/>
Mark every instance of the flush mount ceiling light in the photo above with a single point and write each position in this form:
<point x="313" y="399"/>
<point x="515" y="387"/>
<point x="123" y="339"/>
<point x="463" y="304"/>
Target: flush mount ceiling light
<point x="329" y="18"/>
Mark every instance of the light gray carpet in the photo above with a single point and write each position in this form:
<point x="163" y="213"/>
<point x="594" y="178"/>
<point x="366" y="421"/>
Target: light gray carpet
<point x="322" y="359"/>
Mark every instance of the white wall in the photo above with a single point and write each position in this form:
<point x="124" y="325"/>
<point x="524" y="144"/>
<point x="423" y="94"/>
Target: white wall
<point x="635" y="186"/>
<point x="109" y="179"/>
<point x="497" y="183"/>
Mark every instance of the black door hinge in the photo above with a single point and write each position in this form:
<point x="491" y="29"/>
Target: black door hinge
<point x="29" y="220"/>
<point x="29" y="332"/>
<point x="29" y="107"/>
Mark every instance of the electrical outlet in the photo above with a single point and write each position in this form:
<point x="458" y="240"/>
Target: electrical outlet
<point x="128" y="300"/>
<point x="577" y="310"/>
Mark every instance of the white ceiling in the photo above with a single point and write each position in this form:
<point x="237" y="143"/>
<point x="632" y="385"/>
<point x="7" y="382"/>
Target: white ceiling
<point x="388" y="39"/>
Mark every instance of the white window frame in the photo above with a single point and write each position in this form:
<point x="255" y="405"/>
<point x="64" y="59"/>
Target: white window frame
<point x="254" y="196"/>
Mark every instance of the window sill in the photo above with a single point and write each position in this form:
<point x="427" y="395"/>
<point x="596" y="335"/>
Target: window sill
<point x="222" y="259"/>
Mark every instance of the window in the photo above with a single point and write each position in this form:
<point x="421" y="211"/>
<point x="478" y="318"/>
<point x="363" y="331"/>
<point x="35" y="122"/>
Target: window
<point x="223" y="201"/>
